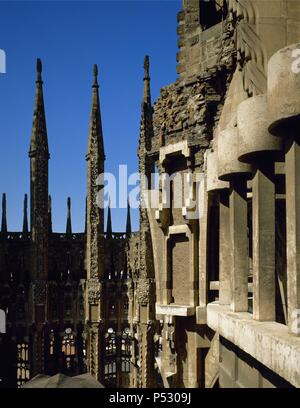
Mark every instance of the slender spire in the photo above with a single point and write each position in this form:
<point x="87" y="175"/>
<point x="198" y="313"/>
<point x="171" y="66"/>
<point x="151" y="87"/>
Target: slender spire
<point x="25" y="216"/>
<point x="128" y="220"/>
<point x="146" y="125"/>
<point x="69" y="222"/>
<point x="85" y="216"/>
<point x="109" y="224"/>
<point x="39" y="139"/>
<point x="4" y="220"/>
<point x="39" y="216"/>
<point x="39" y="70"/>
<point x="49" y="213"/>
<point x="95" y="84"/>
<point x="95" y="312"/>
<point x="147" y="93"/>
<point x="95" y="142"/>
<point x="95" y="190"/>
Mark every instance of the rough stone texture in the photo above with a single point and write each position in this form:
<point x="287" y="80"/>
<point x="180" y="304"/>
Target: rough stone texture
<point x="187" y="110"/>
<point x="223" y="57"/>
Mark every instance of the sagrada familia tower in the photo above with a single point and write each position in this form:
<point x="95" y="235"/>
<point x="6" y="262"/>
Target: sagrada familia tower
<point x="205" y="294"/>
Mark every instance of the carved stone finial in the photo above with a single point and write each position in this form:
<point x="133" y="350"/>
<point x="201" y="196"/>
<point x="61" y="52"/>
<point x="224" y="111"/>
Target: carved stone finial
<point x="147" y="93"/>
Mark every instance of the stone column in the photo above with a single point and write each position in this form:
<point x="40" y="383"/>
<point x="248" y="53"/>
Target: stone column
<point x="38" y="306"/>
<point x="203" y="242"/>
<point x="191" y="373"/>
<point x="134" y="374"/>
<point x="218" y="191"/>
<point x="224" y="249"/>
<point x="232" y="170"/>
<point x="79" y="348"/>
<point x="239" y="244"/>
<point x="284" y="110"/>
<point x="262" y="150"/>
<point x="263" y="211"/>
<point x="147" y="377"/>
<point x="95" y="347"/>
<point x="118" y="345"/>
<point x="38" y="362"/>
<point x="292" y="167"/>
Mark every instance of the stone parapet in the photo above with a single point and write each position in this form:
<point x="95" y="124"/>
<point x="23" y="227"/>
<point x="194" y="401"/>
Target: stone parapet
<point x="267" y="342"/>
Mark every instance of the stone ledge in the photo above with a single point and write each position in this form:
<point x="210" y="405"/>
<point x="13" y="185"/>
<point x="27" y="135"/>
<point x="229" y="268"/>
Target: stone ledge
<point x="179" y="147"/>
<point x="174" y="310"/>
<point x="268" y="342"/>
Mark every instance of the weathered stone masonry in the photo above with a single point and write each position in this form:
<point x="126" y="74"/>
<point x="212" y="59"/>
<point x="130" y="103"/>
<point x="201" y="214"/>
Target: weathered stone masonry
<point x="209" y="300"/>
<point x="226" y="282"/>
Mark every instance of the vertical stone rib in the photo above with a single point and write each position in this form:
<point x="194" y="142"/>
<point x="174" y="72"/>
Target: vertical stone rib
<point x="264" y="244"/>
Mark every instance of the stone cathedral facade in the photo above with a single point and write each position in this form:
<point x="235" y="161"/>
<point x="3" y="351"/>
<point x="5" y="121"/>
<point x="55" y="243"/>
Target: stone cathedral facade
<point x="207" y="293"/>
<point x="51" y="282"/>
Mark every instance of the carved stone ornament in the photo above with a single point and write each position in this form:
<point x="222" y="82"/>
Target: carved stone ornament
<point x="94" y="291"/>
<point x="143" y="292"/>
<point x="40" y="292"/>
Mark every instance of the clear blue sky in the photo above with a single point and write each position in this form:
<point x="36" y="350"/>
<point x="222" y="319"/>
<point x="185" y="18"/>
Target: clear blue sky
<point x="69" y="37"/>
